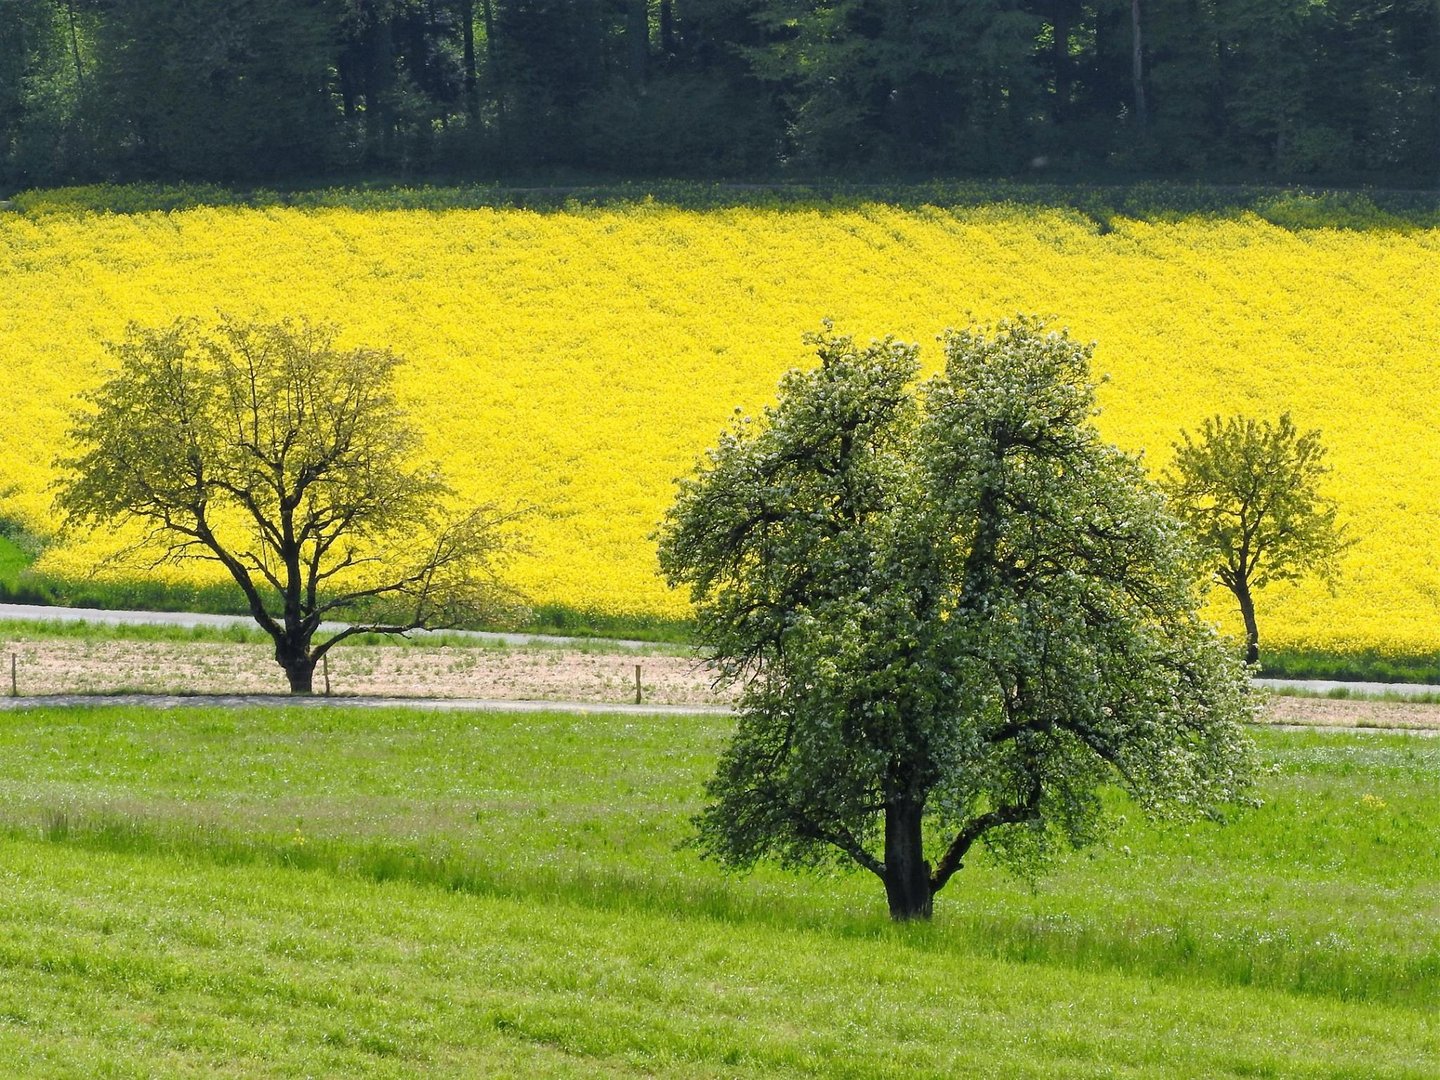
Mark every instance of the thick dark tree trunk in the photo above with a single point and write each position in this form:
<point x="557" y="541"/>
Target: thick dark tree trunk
<point x="299" y="665"/>
<point x="907" y="874"/>
<point x="1252" y="632"/>
<point x="302" y="678"/>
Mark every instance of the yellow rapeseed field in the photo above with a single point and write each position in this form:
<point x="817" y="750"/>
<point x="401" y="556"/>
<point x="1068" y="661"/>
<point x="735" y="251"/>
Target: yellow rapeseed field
<point x="577" y="361"/>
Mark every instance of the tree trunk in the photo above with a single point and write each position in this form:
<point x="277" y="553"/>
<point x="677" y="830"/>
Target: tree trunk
<point x="345" y="70"/>
<point x="1060" y="59"/>
<point x="299" y="665"/>
<point x="667" y="28"/>
<point x="379" y="76"/>
<point x="1137" y="68"/>
<point x="467" y="29"/>
<point x="907" y="874"/>
<point x="1435" y="89"/>
<point x="302" y="678"/>
<point x="493" y="75"/>
<point x="75" y="46"/>
<point x="1252" y="632"/>
<point x="637" y="34"/>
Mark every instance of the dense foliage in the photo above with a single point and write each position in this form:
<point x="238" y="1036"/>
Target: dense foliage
<point x="954" y="614"/>
<point x="267" y="89"/>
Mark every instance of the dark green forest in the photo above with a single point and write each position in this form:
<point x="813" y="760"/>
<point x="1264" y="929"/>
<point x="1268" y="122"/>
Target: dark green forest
<point x="277" y="91"/>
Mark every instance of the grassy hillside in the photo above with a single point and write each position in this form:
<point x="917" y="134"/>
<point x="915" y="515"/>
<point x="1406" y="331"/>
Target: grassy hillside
<point x="575" y="359"/>
<point x="278" y="892"/>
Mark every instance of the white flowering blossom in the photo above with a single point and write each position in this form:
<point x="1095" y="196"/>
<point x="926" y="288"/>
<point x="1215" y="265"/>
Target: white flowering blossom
<point x="955" y="612"/>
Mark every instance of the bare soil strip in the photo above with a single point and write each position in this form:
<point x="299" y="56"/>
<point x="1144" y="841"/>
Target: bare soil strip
<point x="317" y="701"/>
<point x="483" y="676"/>
<point x="1326" y="712"/>
<point x="68" y="666"/>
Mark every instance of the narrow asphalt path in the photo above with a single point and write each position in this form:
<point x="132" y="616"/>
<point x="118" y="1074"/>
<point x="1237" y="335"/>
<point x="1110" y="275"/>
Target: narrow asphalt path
<point x="187" y="619"/>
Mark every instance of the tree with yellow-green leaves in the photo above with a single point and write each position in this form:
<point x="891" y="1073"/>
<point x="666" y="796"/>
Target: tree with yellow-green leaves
<point x="1249" y="489"/>
<point x="285" y="458"/>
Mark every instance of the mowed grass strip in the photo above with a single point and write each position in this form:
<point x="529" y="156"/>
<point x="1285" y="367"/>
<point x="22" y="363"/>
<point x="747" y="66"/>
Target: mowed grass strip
<point x="1328" y="886"/>
<point x="312" y="891"/>
<point x="160" y="965"/>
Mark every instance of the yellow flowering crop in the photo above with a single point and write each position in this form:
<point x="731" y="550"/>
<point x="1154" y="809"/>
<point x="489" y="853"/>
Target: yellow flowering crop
<point x="578" y="361"/>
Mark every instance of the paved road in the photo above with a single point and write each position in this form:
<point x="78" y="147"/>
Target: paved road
<point x="40" y="613"/>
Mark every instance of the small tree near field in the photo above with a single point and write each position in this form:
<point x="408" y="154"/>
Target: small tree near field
<point x="954" y="614"/>
<point x="269" y="449"/>
<point x="1249" y="491"/>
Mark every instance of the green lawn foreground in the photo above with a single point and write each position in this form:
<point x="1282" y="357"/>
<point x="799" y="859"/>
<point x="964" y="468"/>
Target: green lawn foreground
<point x="301" y="892"/>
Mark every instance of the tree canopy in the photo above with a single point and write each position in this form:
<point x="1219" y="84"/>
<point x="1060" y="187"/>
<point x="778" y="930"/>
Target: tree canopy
<point x="954" y="613"/>
<point x="269" y="89"/>
<point x="271" y="450"/>
<point x="1249" y="489"/>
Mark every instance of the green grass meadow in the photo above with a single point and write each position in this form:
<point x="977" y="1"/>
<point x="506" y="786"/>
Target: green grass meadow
<point x="318" y="892"/>
<point x="13" y="559"/>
